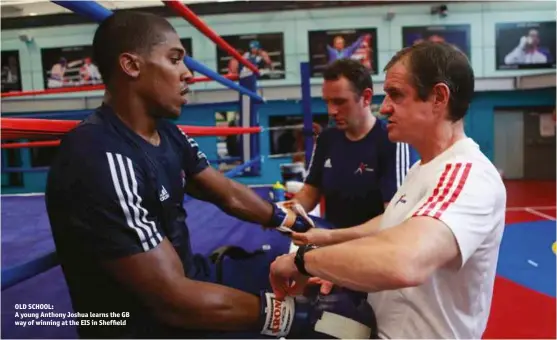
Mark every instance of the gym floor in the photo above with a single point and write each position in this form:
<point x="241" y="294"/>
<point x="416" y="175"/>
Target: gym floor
<point x="524" y="304"/>
<point x="524" y="297"/>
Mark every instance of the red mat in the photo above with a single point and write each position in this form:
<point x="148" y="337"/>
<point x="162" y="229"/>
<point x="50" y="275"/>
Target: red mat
<point x="519" y="216"/>
<point x="520" y="313"/>
<point x="517" y="311"/>
<point x="530" y="193"/>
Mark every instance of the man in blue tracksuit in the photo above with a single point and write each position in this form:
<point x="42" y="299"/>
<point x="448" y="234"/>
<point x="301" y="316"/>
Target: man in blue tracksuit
<point x="354" y="166"/>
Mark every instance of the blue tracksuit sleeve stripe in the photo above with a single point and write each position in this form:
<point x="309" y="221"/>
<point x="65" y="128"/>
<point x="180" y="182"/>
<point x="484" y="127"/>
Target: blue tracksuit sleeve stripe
<point x="406" y="156"/>
<point x="402" y="162"/>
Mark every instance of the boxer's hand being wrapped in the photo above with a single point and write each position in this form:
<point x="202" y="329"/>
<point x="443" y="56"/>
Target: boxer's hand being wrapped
<point x="340" y="314"/>
<point x="290" y="217"/>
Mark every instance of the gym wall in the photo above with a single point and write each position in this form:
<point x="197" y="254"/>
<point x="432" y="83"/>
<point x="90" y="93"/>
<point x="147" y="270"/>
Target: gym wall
<point x="495" y="87"/>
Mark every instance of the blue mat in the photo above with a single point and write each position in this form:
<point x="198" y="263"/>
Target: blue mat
<point x="26" y="236"/>
<point x="526" y="256"/>
<point x="25" y="230"/>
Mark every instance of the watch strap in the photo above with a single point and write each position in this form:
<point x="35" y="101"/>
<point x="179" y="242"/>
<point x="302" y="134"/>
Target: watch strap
<point x="299" y="258"/>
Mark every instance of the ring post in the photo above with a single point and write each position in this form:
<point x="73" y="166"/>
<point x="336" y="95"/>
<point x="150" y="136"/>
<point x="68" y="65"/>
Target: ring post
<point x="306" y="111"/>
<point x="249" y="117"/>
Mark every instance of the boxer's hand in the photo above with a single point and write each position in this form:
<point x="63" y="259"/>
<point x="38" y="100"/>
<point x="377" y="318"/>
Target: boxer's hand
<point x="326" y="286"/>
<point x="340" y="314"/>
<point x="290" y="216"/>
<point x="317" y="236"/>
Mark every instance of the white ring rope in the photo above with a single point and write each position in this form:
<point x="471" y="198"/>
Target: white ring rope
<point x="285" y="127"/>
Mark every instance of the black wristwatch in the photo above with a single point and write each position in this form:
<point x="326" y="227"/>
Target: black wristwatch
<point x="299" y="258"/>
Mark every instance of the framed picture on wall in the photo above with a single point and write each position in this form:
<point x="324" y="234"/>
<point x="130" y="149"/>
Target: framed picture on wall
<point x="525" y="45"/>
<point x="11" y="71"/>
<point x="265" y="50"/>
<point x="69" y="67"/>
<point x="187" y="43"/>
<point x="330" y="45"/>
<point x="457" y="35"/>
<point x="286" y="137"/>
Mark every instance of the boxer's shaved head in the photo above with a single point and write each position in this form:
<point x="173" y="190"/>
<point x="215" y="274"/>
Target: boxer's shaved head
<point x="141" y="59"/>
<point x="127" y="32"/>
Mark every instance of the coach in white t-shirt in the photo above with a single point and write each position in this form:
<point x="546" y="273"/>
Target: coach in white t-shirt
<point x="428" y="263"/>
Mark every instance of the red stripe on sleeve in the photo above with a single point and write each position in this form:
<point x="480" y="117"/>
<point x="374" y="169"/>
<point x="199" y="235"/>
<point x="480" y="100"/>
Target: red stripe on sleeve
<point x="436" y="190"/>
<point x="457" y="191"/>
<point x="446" y="190"/>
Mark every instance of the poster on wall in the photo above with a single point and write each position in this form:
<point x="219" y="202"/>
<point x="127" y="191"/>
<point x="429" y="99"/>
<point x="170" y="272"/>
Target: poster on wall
<point x="328" y="46"/>
<point x="69" y="67"/>
<point x="266" y="51"/>
<point x="187" y="44"/>
<point x="457" y="35"/>
<point x="11" y="71"/>
<point x="525" y="45"/>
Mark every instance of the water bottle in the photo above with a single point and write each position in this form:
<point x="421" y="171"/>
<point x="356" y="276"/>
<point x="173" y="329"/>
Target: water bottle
<point x="278" y="192"/>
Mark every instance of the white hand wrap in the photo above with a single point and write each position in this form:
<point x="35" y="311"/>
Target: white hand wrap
<point x="292" y="206"/>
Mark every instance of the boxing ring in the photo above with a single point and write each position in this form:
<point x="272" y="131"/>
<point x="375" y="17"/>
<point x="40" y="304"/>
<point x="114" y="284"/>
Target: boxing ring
<point x="31" y="274"/>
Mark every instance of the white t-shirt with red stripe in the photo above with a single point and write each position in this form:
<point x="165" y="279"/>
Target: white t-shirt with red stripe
<point x="463" y="189"/>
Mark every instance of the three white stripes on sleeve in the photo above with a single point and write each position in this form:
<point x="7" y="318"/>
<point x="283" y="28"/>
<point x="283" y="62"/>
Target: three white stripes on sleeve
<point x="402" y="162"/>
<point x="125" y="185"/>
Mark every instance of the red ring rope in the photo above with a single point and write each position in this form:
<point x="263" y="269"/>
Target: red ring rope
<point x="29" y="128"/>
<point x="41" y="144"/>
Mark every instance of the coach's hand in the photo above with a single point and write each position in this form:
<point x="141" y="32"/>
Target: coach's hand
<point x="317" y="236"/>
<point x="285" y="278"/>
<point x="326" y="286"/>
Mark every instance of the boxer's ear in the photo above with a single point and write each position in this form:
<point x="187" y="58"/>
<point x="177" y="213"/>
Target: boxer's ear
<point x="129" y="63"/>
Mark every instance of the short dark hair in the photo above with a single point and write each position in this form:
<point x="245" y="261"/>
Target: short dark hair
<point x="430" y="63"/>
<point x="128" y="31"/>
<point x="356" y="73"/>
